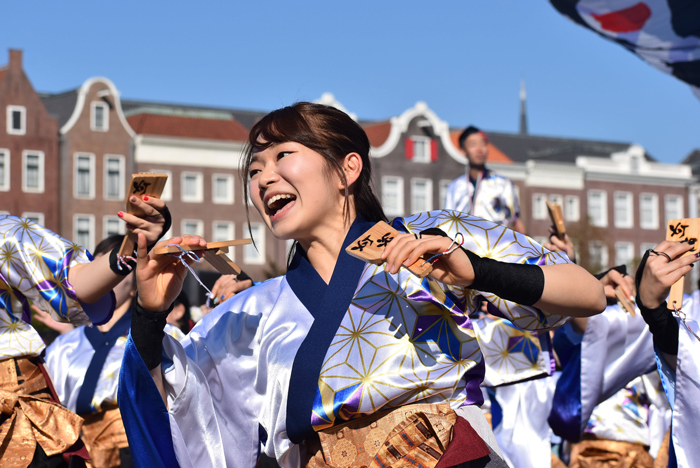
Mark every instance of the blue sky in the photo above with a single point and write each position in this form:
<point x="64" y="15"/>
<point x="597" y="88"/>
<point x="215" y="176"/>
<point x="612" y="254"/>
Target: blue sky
<point x="464" y="58"/>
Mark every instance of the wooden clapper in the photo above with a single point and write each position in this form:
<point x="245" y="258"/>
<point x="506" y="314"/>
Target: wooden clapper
<point x="218" y="260"/>
<point x="557" y="219"/>
<point x="370" y="246"/>
<point x="142" y="184"/>
<point x="682" y="230"/>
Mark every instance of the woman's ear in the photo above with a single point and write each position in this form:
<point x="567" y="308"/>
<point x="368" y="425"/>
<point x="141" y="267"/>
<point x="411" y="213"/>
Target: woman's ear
<point x="352" y="167"/>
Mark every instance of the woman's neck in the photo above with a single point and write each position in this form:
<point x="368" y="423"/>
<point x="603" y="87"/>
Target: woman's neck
<point x="118" y="313"/>
<point x="323" y="249"/>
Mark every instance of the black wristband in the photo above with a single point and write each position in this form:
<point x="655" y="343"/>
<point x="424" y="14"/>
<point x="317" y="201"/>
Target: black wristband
<point x="166" y="225"/>
<point x="517" y="282"/>
<point x="662" y="324"/>
<point x="121" y="266"/>
<point x="147" y="333"/>
<point x="242" y="276"/>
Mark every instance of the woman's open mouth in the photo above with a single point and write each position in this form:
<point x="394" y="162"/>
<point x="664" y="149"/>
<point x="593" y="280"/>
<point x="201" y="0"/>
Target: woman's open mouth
<point x="279" y="204"/>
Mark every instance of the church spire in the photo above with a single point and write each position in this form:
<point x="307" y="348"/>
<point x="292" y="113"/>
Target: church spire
<point x="523" y="108"/>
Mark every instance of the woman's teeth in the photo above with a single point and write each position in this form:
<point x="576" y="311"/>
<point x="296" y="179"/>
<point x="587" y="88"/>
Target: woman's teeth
<point x="277" y="197"/>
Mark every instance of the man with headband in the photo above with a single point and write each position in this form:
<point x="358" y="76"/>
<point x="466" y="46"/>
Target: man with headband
<point x="481" y="192"/>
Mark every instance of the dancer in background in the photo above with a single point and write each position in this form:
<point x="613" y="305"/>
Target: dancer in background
<point x="338" y="362"/>
<point x="41" y="268"/>
<point x="481" y="192"/>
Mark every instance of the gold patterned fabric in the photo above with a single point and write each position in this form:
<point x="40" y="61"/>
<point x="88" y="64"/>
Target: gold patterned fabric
<point x="599" y="453"/>
<point x="104" y="435"/>
<point x="29" y="417"/>
<point x="413" y="435"/>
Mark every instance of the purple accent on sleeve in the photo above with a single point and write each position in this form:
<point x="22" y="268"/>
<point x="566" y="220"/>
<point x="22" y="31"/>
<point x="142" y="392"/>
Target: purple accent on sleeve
<point x="100" y="312"/>
<point x="473" y="378"/>
<point x="26" y="311"/>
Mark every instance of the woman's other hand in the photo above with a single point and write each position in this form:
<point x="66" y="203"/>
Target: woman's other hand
<point x="557" y="245"/>
<point x="152" y="218"/>
<point x="613" y="279"/>
<point x="160" y="277"/>
<point x="664" y="266"/>
<point x="453" y="268"/>
<point x="228" y="286"/>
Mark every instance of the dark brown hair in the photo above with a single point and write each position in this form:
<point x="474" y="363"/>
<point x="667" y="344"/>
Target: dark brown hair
<point x="328" y="131"/>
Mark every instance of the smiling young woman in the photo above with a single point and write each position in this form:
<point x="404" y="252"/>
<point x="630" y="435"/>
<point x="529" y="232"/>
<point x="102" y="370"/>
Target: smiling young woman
<point x="338" y="362"/>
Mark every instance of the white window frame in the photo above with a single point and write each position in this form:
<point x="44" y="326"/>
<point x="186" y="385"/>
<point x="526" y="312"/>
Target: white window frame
<point x="399" y="210"/>
<point x="629" y="208"/>
<point x="442" y="192"/>
<point x="105" y="222"/>
<point x="167" y="194"/>
<point x="26" y="189"/>
<point x="605" y="255"/>
<point x="568" y="215"/>
<point x="40" y="218"/>
<point x="122" y="177"/>
<point x="91" y="234"/>
<point x="604" y="208"/>
<point x="230" y="235"/>
<point x="7" y="180"/>
<point x="259" y="258"/>
<point x="23" y="120"/>
<point x="226" y="200"/>
<point x="428" y="195"/>
<point x="198" y="222"/>
<point x="105" y="116"/>
<point x="539" y="206"/>
<point x="556" y="198"/>
<point x="667" y="198"/>
<point x="428" y="149"/>
<point x="91" y="192"/>
<point x="654" y="223"/>
<point x="629" y="245"/>
<point x="644" y="246"/>
<point x="199" y="196"/>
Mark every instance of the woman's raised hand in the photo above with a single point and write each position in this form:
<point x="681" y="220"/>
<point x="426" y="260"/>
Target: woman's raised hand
<point x="152" y="218"/>
<point x="664" y="266"/>
<point x="405" y="249"/>
<point x="160" y="277"/>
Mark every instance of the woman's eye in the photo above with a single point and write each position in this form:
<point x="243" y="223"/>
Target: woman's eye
<point x="253" y="173"/>
<point x="283" y="154"/>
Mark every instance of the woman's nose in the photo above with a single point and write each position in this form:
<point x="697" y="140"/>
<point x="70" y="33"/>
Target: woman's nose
<point x="268" y="175"/>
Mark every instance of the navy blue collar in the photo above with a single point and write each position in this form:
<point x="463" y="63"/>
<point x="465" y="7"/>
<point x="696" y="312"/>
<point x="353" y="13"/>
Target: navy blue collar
<point x="328" y="304"/>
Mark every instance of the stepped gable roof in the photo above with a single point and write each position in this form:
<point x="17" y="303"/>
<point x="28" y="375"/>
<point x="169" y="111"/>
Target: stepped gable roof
<point x="377" y="132"/>
<point x="495" y="154"/>
<point x="188" y="127"/>
<point x="60" y="105"/>
<point x="521" y="148"/>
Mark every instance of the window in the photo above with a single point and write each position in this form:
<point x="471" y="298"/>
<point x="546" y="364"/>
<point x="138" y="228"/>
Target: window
<point x="167" y="194"/>
<point x="649" y="211"/>
<point x="598" y="207"/>
<point x="99" y="117"/>
<point x="571" y="208"/>
<point x="112" y="225"/>
<point x="624" y="253"/>
<point x="84" y="230"/>
<point x="192" y="226"/>
<point x="33" y="171"/>
<point x="222" y="188"/>
<point x="114" y="177"/>
<point x="598" y="252"/>
<point x="37" y="218"/>
<point x="421" y="195"/>
<point x="644" y="246"/>
<point x="223" y="231"/>
<point x="392" y="195"/>
<point x="673" y="207"/>
<point x="442" y="188"/>
<point x="539" y="206"/>
<point x="4" y="170"/>
<point x="421" y="149"/>
<point x="192" y="189"/>
<point x="255" y="254"/>
<point x="84" y="178"/>
<point x="554" y="198"/>
<point x="16" y="120"/>
<point x="622" y="204"/>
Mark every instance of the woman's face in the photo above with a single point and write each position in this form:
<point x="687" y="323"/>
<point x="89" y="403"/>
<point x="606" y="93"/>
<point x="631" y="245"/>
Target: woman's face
<point x="295" y="192"/>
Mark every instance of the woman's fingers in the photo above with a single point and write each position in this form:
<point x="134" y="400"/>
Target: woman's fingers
<point x="156" y="203"/>
<point x="147" y="208"/>
<point x="673" y="249"/>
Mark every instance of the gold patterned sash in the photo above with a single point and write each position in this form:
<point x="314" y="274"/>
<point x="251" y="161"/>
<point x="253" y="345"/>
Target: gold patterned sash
<point x="104" y="435"/>
<point x="406" y="436"/>
<point x="29" y="417"/>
